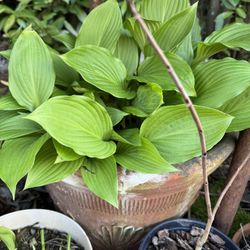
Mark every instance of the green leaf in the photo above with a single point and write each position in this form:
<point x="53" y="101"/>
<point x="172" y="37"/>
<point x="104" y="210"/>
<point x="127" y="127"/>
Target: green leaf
<point x="116" y="115"/>
<point x="45" y="171"/>
<point x="31" y="73"/>
<point x="16" y="127"/>
<point x="8" y="238"/>
<point x="149" y="98"/>
<point x="98" y="67"/>
<point x="241" y="13"/>
<point x="144" y="158"/>
<point x="66" y="39"/>
<point x="5" y="9"/>
<point x="15" y="166"/>
<point x="101" y="178"/>
<point x="130" y="136"/>
<point x="9" y="23"/>
<point x="5" y="53"/>
<point x="173" y="132"/>
<point x="238" y="107"/>
<point x="138" y="33"/>
<point x="7" y="102"/>
<point x="185" y="50"/>
<point x="65" y="75"/>
<point x="161" y="10"/>
<point x="152" y="70"/>
<point x="65" y="153"/>
<point x="218" y="81"/>
<point x="175" y="29"/>
<point x="127" y="52"/>
<point x="236" y="35"/>
<point x="5" y="115"/>
<point x="102" y="26"/>
<point x="134" y="111"/>
<point x="79" y="123"/>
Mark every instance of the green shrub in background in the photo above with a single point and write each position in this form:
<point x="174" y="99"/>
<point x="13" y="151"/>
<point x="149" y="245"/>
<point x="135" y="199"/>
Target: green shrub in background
<point x="54" y="20"/>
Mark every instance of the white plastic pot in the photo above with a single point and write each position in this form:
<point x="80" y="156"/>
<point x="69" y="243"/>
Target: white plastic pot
<point x="46" y="219"/>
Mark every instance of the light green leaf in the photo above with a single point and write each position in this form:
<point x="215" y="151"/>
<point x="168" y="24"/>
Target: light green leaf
<point x="5" y="115"/>
<point x="7" y="102"/>
<point x="134" y="111"/>
<point x="173" y="132"/>
<point x="144" y="158"/>
<point x="138" y="33"/>
<point x="152" y="70"/>
<point x="31" y="73"/>
<point x="65" y="75"/>
<point x="174" y="29"/>
<point x="98" y="67"/>
<point x="14" y="166"/>
<point x="185" y="50"/>
<point x="101" y="178"/>
<point x="236" y="35"/>
<point x="161" y="10"/>
<point x="127" y="52"/>
<point x="5" y="53"/>
<point x="5" y="9"/>
<point x="8" y="238"/>
<point x="116" y="115"/>
<point x="102" y="26"/>
<point x="218" y="81"/>
<point x="79" y="123"/>
<point x="9" y="23"/>
<point x="238" y="107"/>
<point x="66" y="39"/>
<point x="45" y="171"/>
<point x="16" y="127"/>
<point x="65" y="153"/>
<point x="149" y="98"/>
<point x="128" y="136"/>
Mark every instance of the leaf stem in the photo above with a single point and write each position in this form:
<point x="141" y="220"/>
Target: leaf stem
<point x="68" y="242"/>
<point x="42" y="239"/>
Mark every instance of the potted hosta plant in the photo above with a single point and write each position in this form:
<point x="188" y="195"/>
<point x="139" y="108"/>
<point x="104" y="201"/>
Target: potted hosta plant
<point x="106" y="118"/>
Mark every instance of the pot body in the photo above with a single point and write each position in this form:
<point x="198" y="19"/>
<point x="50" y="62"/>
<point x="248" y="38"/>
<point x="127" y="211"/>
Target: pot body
<point x="185" y="225"/>
<point x="239" y="234"/>
<point x="46" y="219"/>
<point x="144" y="199"/>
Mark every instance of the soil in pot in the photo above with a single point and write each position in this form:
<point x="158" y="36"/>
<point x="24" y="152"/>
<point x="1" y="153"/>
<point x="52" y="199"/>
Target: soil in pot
<point x="184" y="240"/>
<point x="30" y="238"/>
<point x="245" y="243"/>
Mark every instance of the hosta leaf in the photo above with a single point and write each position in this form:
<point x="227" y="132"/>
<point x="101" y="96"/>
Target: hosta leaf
<point x="138" y="33"/>
<point x="45" y="171"/>
<point x="134" y="111"/>
<point x="5" y="115"/>
<point x="8" y="238"/>
<point x="144" y="158"/>
<point x="65" y="75"/>
<point x="185" y="50"/>
<point x="235" y="35"/>
<point x="31" y="72"/>
<point x="149" y="98"/>
<point x="175" y="29"/>
<point x="218" y="81"/>
<point x="15" y="166"/>
<point x="65" y="153"/>
<point x="152" y="70"/>
<point x="79" y="123"/>
<point x="16" y="127"/>
<point x="129" y="136"/>
<point x="98" y="67"/>
<point x="173" y="132"/>
<point x="101" y="178"/>
<point x="238" y="107"/>
<point x="7" y="102"/>
<point x="102" y="26"/>
<point x="127" y="51"/>
<point x="161" y="10"/>
<point x="67" y="39"/>
<point x="116" y="115"/>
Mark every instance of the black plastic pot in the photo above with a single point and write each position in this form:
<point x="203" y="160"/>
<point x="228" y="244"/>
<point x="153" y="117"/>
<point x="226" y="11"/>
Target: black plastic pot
<point x="185" y="225"/>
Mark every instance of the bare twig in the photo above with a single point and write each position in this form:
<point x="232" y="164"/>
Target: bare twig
<point x="191" y="108"/>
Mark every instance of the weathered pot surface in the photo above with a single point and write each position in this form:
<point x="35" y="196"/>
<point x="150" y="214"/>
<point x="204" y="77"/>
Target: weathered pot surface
<point x="239" y="234"/>
<point x="144" y="200"/>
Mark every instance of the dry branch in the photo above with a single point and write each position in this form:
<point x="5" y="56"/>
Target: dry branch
<point x="191" y="108"/>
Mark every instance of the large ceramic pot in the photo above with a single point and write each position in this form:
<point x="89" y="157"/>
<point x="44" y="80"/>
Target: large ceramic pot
<point x="144" y="199"/>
